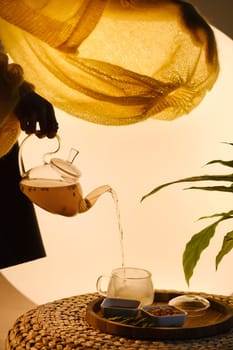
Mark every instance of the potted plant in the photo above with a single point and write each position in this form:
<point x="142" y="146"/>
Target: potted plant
<point x="201" y="240"/>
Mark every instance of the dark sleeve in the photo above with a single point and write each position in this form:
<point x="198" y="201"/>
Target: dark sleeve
<point x="20" y="238"/>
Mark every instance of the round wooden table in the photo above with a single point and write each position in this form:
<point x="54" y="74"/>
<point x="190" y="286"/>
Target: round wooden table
<point x="62" y="325"/>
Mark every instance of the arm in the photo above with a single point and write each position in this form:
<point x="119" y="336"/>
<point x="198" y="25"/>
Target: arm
<point x="31" y="110"/>
<point x="21" y="108"/>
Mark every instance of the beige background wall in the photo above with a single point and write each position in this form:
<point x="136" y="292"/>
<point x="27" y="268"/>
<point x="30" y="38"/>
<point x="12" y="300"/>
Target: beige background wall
<point x="133" y="160"/>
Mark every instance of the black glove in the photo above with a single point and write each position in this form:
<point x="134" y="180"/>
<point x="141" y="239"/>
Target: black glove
<point x="32" y="110"/>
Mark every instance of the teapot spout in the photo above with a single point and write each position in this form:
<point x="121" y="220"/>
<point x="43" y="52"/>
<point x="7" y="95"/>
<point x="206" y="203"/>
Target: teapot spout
<point x="92" y="197"/>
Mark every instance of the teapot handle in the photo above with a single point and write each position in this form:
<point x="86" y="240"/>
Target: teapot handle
<point x="20" y="157"/>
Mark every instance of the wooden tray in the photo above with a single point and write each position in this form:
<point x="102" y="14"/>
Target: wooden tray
<point x="218" y="318"/>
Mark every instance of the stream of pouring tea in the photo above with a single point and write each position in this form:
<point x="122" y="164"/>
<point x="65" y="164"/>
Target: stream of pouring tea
<point x="120" y="229"/>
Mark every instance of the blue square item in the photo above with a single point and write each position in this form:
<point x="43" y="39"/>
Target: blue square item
<point x="165" y="315"/>
<point x="119" y="307"/>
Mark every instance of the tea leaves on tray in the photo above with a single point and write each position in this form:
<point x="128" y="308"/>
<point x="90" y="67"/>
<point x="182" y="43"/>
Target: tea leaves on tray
<point x="139" y="321"/>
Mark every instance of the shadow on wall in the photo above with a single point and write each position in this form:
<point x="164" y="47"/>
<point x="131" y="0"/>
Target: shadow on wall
<point x="219" y="14"/>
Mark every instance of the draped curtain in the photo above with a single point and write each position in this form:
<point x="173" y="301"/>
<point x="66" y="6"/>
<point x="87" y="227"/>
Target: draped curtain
<point x="113" y="62"/>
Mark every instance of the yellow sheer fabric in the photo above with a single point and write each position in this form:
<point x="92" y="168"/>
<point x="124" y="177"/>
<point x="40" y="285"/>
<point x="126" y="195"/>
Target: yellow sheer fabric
<point x="61" y="24"/>
<point x="9" y="133"/>
<point x="12" y="85"/>
<point x="10" y="81"/>
<point x="113" y="62"/>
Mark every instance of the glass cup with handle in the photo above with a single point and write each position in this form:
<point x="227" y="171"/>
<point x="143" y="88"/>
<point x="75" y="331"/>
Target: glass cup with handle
<point x="127" y="283"/>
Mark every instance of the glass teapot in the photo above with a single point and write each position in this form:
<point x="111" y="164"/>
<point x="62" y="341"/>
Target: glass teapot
<point x="54" y="185"/>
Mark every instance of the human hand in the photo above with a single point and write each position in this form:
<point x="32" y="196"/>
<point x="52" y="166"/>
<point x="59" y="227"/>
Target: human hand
<point x="32" y="110"/>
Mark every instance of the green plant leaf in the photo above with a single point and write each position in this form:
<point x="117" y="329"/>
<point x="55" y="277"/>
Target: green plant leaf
<point x="201" y="240"/>
<point x="227" y="177"/>
<point x="226" y="247"/>
<point x="228" y="215"/>
<point x="223" y="162"/>
<point x="228" y="143"/>
<point x="195" y="247"/>
<point x="212" y="188"/>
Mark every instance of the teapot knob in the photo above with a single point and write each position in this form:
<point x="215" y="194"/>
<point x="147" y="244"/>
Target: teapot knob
<point x="72" y="155"/>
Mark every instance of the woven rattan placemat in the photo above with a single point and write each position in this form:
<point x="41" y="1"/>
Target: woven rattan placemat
<point x="61" y="325"/>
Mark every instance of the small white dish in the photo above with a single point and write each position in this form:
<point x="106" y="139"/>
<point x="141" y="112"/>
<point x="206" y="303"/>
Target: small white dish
<point x="193" y="304"/>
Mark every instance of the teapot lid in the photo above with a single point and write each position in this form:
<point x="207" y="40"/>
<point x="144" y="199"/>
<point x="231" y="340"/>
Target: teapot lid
<point x="66" y="167"/>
